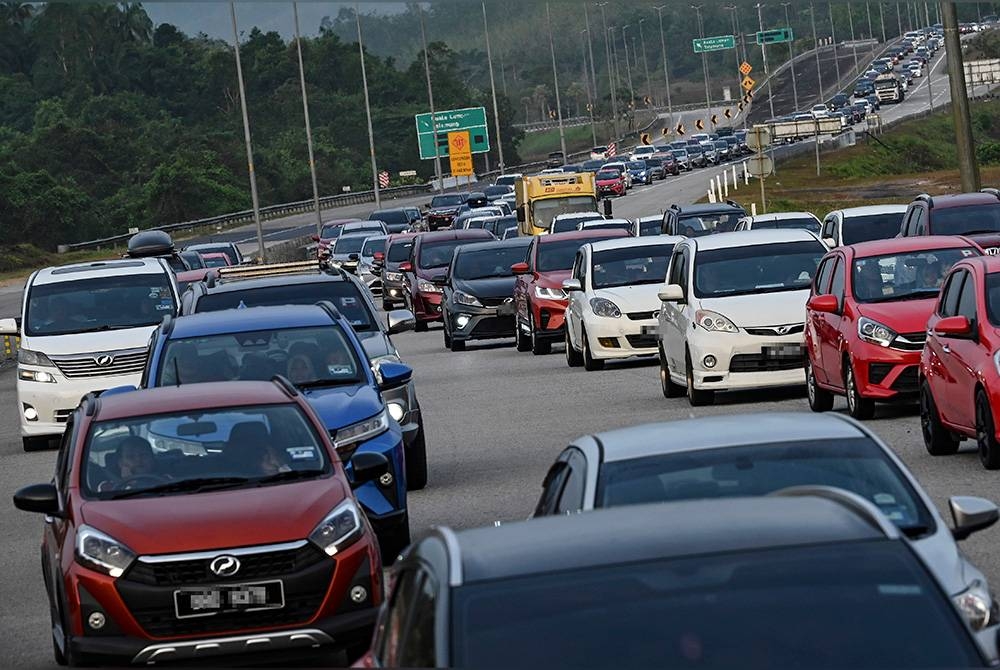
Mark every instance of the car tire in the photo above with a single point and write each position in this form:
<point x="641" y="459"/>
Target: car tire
<point x="447" y="336"/>
<point x="669" y="388"/>
<point x="392" y="543"/>
<point x="539" y="347"/>
<point x="523" y="342"/>
<point x="416" y="462"/>
<point x="35" y="443"/>
<point x="858" y="407"/>
<point x="696" y="397"/>
<point x="820" y="400"/>
<point x="938" y="440"/>
<point x="457" y="345"/>
<point x="574" y="358"/>
<point x="590" y="364"/>
<point x="986" y="440"/>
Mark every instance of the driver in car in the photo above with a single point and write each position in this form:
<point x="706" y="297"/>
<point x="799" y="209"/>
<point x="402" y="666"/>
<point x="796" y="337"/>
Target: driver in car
<point x="133" y="459"/>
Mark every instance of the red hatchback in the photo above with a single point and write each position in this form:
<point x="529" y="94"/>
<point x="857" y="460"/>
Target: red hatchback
<point x="866" y="319"/>
<point x="960" y="365"/>
<point x="610" y="182"/>
<point x="212" y="519"/>
<point x="539" y="299"/>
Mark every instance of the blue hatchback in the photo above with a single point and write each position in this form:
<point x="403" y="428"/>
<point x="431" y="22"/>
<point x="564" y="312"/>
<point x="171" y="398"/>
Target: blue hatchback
<point x="314" y="348"/>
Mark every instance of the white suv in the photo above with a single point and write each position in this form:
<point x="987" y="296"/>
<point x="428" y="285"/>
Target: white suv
<point x="613" y="299"/>
<point x="733" y="312"/>
<point x="84" y="328"/>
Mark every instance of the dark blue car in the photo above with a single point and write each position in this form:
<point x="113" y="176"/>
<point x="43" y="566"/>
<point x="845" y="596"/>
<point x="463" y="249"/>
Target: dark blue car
<point x="316" y="349"/>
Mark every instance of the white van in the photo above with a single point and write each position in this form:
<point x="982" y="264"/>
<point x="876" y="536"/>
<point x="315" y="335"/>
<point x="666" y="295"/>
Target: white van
<point x="84" y="328"/>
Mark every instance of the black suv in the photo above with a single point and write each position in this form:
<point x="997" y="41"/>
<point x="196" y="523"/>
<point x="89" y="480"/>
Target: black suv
<point x="305" y="284"/>
<point x="701" y="219"/>
<point x="974" y="215"/>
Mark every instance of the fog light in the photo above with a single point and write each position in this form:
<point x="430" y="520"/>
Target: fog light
<point x="709" y="361"/>
<point x="608" y="342"/>
<point x="30" y="413"/>
<point x="396" y="411"/>
<point x="96" y="620"/>
<point x="359" y="594"/>
<point x="386" y="479"/>
<point x="462" y="320"/>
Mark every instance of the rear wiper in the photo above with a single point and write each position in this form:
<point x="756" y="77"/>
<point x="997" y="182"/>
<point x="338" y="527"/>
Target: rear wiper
<point x="290" y="475"/>
<point x="198" y="484"/>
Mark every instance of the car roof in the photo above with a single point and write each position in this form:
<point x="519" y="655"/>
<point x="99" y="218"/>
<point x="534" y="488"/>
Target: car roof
<point x="782" y="216"/>
<point x="868" y="210"/>
<point x="394" y="237"/>
<point x="628" y="242"/>
<point x="390" y="209"/>
<point x="552" y="238"/>
<point x="577" y="215"/>
<point x="494" y="244"/>
<point x="898" y="245"/>
<point x="445" y="235"/>
<point x="252" y="318"/>
<point x="209" y="245"/>
<point x="238" y="285"/>
<point x="687" y="528"/>
<point x="756" y="236"/>
<point x="96" y="269"/>
<point x="708" y="208"/>
<point x="189" y="397"/>
<point x="964" y="200"/>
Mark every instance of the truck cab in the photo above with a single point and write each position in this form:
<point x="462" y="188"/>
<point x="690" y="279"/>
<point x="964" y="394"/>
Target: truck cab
<point x="888" y="88"/>
<point x="541" y="198"/>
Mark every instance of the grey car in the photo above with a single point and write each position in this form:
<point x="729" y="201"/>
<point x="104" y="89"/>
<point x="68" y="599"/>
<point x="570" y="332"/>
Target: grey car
<point x="369" y="277"/>
<point x="758" y="454"/>
<point x="345" y="253"/>
<point x="683" y="158"/>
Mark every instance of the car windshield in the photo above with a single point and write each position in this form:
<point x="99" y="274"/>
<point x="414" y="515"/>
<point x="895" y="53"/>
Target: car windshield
<point x="608" y="174"/>
<point x="313" y="356"/>
<point x="799" y="223"/>
<point x="452" y="200"/>
<point x="103" y="303"/>
<point x="722" y="144"/>
<point x="331" y="230"/>
<point x="496" y="190"/>
<point x="483" y="263"/>
<point x="650" y="227"/>
<point x="201" y="450"/>
<point x="438" y="254"/>
<point x="696" y="225"/>
<point x="631" y="265"/>
<point x="372" y="245"/>
<point x="345" y="296"/>
<point x="653" y="162"/>
<point x="637" y="165"/>
<point x="966" y="220"/>
<point x="390" y="216"/>
<point x="215" y="261"/>
<point x="349" y="244"/>
<point x="507" y="180"/>
<point x="904" y="276"/>
<point x="544" y="211"/>
<point x="865" y="602"/>
<point x="761" y="268"/>
<point x="555" y="256"/>
<point x="870" y="227"/>
<point x="399" y="250"/>
<point x="680" y="153"/>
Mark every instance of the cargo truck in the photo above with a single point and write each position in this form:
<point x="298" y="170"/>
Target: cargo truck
<point x="541" y="198"/>
<point x="888" y="88"/>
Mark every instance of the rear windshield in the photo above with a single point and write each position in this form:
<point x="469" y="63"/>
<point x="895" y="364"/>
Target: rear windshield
<point x="870" y="227"/>
<point x="967" y="220"/>
<point x="372" y="245"/>
<point x="390" y="216"/>
<point x="452" y="200"/>
<point x="343" y="294"/>
<point x="804" y="223"/>
<point x="651" y="227"/>
<point x="555" y="256"/>
<point x="696" y="225"/>
<point x="349" y="244"/>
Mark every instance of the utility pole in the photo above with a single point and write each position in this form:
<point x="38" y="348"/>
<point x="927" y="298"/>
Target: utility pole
<point x="833" y="41"/>
<point x="763" y="53"/>
<point x="899" y="20"/>
<point x="305" y="110"/>
<point x="368" y="113"/>
<point x="628" y="69"/>
<point x="868" y="8"/>
<point x="791" y="59"/>
<point x="736" y="36"/>
<point x="493" y="87"/>
<point x="430" y="101"/>
<point x="590" y="49"/>
<point x="930" y="64"/>
<point x="819" y="69"/>
<point x="881" y="20"/>
<point x="555" y="77"/>
<point x="854" y="43"/>
<point x="246" y="139"/>
<point x="645" y="63"/>
<point x="590" y="99"/>
<point x="968" y="168"/>
<point x="704" y="65"/>
<point x="611" y="75"/>
<point x="666" y="72"/>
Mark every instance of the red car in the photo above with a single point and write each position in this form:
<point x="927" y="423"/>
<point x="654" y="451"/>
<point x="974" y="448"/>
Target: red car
<point x="866" y="319"/>
<point x="328" y="235"/>
<point x="429" y="259"/>
<point x="610" y="182"/>
<point x="960" y="365"/>
<point x="203" y="520"/>
<point x="539" y="298"/>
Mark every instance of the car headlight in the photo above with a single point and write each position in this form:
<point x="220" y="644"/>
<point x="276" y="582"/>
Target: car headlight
<point x="362" y="430"/>
<point x="397" y="410"/>
<point x="604" y="307"/>
<point x="101" y="552"/>
<point x="394" y="276"/>
<point x="550" y="293"/>
<point x="339" y="529"/>
<point x="29" y="357"/>
<point x="996" y="361"/>
<point x="714" y="321"/>
<point x="872" y="331"/>
<point x="36" y="376"/>
<point x="975" y="604"/>
<point x="463" y="298"/>
<point x="425" y="286"/>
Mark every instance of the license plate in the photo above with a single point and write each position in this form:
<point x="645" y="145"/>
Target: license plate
<point x="782" y="352"/>
<point x="506" y="309"/>
<point x="650" y="330"/>
<point x="212" y="600"/>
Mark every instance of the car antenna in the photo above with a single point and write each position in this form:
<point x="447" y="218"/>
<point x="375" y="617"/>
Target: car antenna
<point x="177" y="373"/>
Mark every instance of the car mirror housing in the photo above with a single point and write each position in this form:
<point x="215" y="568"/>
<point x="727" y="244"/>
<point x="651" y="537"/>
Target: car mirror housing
<point x="955" y="326"/>
<point x="8" y="326"/>
<point x="367" y="466"/>
<point x="971" y="514"/>
<point x="829" y="242"/>
<point x="394" y="375"/>
<point x="406" y="266"/>
<point x="826" y="304"/>
<point x="520" y="268"/>
<point x="41" y="498"/>
<point x="400" y="320"/>
<point x="571" y="285"/>
<point x="440" y="280"/>
<point x="671" y="293"/>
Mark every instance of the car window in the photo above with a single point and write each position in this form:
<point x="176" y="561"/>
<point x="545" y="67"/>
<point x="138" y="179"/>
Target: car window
<point x="345" y="296"/>
<point x="552" y="487"/>
<point x="67" y="452"/>
<point x="948" y="305"/>
<point x="571" y="498"/>
<point x="869" y="227"/>
<point x="920" y="222"/>
<point x="906" y="276"/>
<point x="838" y="281"/>
<point x="349" y="244"/>
<point x="439" y="254"/>
<point x="696" y="225"/>
<point x="967" y="299"/>
<point x="418" y="650"/>
<point x="392" y="631"/>
<point x="821" y="285"/>
<point x="967" y="220"/>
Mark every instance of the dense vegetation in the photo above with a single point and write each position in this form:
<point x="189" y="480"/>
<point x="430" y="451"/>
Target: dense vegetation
<point x="107" y="121"/>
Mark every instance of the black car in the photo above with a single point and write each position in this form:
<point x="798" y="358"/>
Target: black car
<point x="395" y="220"/>
<point x="498" y="224"/>
<point x="230" y="249"/>
<point x="478" y="302"/>
<point x="863" y="89"/>
<point x="837" y="102"/>
<point x="701" y="219"/>
<point x="555" y="159"/>
<point x="285" y="285"/>
<point x="708" y="583"/>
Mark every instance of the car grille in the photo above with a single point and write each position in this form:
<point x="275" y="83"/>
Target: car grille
<point x="774" y="331"/>
<point x="758" y="363"/>
<point x="501" y="326"/>
<point x="642" y="341"/>
<point x="906" y="382"/>
<point x="910" y="341"/>
<point x="62" y="415"/>
<point x="252" y="566"/>
<point x="495" y="302"/>
<point x="643" y="316"/>
<point x="131" y="361"/>
<point x="877" y="372"/>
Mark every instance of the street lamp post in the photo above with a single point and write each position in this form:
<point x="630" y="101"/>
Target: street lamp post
<point x="899" y="20"/>
<point x="738" y="38"/>
<point x="645" y="62"/>
<point x="628" y="70"/>
<point x="881" y="20"/>
<point x="555" y="78"/>
<point x="868" y="8"/>
<point x="819" y="69"/>
<point x="791" y="59"/>
<point x="305" y="111"/>
<point x="704" y="64"/>
<point x="590" y="99"/>
<point x="590" y="50"/>
<point x="611" y="74"/>
<point x="430" y="102"/>
<point x="763" y="53"/>
<point x="854" y="44"/>
<point x="833" y="41"/>
<point x="666" y="72"/>
<point x="930" y="62"/>
<point x="493" y="87"/>
<point x="246" y="138"/>
<point x="368" y="114"/>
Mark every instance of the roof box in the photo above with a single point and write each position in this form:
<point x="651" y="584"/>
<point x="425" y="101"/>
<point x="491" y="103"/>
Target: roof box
<point x="150" y="243"/>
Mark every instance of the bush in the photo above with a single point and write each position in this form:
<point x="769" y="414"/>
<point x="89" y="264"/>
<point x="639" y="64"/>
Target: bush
<point x="988" y="153"/>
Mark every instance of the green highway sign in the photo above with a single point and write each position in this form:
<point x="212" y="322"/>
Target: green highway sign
<point x="472" y="119"/>
<point x="774" y="36"/>
<point x="718" y="43"/>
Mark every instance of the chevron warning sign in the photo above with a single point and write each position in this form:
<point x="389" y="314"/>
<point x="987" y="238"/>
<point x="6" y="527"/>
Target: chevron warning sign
<point x="665" y="132"/>
<point x="646" y="139"/>
<point x="699" y="124"/>
<point x="715" y="119"/>
<point x="728" y="113"/>
<point x="680" y="129"/>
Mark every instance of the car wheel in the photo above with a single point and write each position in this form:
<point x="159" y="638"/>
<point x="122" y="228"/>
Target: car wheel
<point x="35" y="443"/>
<point x="416" y="462"/>
<point x="986" y="438"/>
<point x="523" y="341"/>
<point x="539" y="347"/>
<point x="57" y="654"/>
<point x="590" y="364"/>
<point x="573" y="357"/>
<point x="393" y="542"/>
<point x="938" y="440"/>
<point x="858" y="407"/>
<point x="696" y="397"/>
<point x="820" y="400"/>
<point x="447" y="336"/>
<point x="669" y="388"/>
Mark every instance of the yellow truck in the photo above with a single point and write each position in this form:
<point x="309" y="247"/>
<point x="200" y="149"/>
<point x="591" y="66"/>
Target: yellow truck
<point x="541" y="198"/>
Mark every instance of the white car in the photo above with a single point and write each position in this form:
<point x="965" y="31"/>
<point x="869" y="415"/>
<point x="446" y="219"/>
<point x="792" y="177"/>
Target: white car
<point x="862" y="224"/>
<point x="563" y="223"/>
<point x="640" y="152"/>
<point x="508" y="179"/>
<point x="371" y="227"/>
<point x="613" y="299"/>
<point x="604" y="224"/>
<point x="819" y="111"/>
<point x="733" y="312"/>
<point x="782" y="221"/>
<point x="648" y="225"/>
<point x="598" y="153"/>
<point x="916" y="69"/>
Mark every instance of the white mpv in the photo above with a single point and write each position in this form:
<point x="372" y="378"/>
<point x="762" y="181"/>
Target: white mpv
<point x="733" y="312"/>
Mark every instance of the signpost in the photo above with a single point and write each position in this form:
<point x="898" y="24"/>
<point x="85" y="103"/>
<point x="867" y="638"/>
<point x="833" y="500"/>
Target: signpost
<point x="471" y="119"/>
<point x="717" y="43"/>
<point x="759" y="138"/>
<point x="748" y="83"/>
<point x="774" y="36"/>
<point x="760" y="165"/>
<point x="460" y="154"/>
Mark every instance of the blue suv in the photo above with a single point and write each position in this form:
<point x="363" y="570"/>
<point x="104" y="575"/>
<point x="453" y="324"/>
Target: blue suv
<point x="315" y="348"/>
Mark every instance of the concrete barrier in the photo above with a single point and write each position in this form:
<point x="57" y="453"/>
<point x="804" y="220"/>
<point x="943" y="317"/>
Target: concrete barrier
<point x="8" y="348"/>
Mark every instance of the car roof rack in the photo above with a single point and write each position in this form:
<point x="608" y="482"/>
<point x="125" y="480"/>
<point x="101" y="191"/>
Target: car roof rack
<point x="925" y="197"/>
<point x="330" y="309"/>
<point x="852" y="501"/>
<point x="285" y="385"/>
<point x="271" y="270"/>
<point x="992" y="191"/>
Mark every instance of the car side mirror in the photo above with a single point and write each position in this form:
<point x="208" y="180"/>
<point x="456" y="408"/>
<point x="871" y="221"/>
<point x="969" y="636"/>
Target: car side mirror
<point x="314" y="238"/>
<point x="9" y="326"/>
<point x="400" y="321"/>
<point x="826" y="304"/>
<point x="570" y="285"/>
<point x="406" y="266"/>
<point x="829" y="242"/>
<point x="520" y="214"/>
<point x="353" y="257"/>
<point x="393" y="375"/>
<point x="671" y="293"/>
<point x="440" y="280"/>
<point x="367" y="466"/>
<point x="41" y="498"/>
<point x="971" y="514"/>
<point x="954" y="326"/>
<point x="520" y="268"/>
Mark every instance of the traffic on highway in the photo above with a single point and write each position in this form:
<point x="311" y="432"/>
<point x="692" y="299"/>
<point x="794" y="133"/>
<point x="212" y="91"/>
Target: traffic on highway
<point x="570" y="417"/>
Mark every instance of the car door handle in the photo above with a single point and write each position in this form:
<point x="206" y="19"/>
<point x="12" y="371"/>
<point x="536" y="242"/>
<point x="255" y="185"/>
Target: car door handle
<point x="945" y="348"/>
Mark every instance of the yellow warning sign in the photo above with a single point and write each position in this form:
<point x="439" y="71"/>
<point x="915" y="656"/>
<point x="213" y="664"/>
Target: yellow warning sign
<point x="748" y="83"/>
<point x="460" y="153"/>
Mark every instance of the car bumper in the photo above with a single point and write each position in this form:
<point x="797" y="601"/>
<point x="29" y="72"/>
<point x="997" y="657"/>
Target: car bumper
<point x="611" y="190"/>
<point x="406" y="398"/>
<point x="386" y="496"/>
<point x="621" y="338"/>
<point x="54" y="402"/>
<point x="439" y="221"/>
<point x="480" y="323"/>
<point x="550" y="318"/>
<point x="740" y="361"/>
<point x="426" y="306"/>
<point x="885" y="374"/>
<point x="392" y="291"/>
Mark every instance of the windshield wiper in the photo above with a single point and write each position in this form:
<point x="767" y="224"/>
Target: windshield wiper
<point x="290" y="475"/>
<point x="913" y="295"/>
<point x="981" y="232"/>
<point x="323" y="383"/>
<point x="105" y="327"/>
<point x="198" y="484"/>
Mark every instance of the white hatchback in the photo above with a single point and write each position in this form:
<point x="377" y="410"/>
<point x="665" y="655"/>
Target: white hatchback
<point x="733" y="312"/>
<point x="613" y="299"/>
<point x="781" y="220"/>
